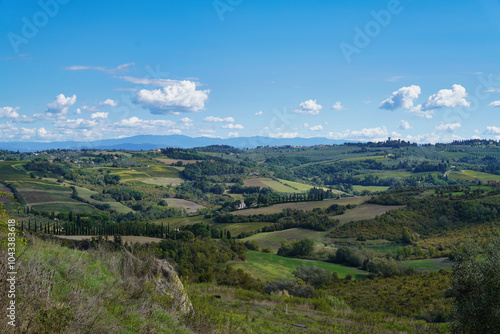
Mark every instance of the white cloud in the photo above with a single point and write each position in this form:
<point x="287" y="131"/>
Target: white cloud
<point x="79" y="123"/>
<point x="8" y="112"/>
<point x="492" y="130"/>
<point x="338" y="106"/>
<point x="213" y="119"/>
<point x="233" y="126"/>
<point x="448" y="98"/>
<point x="371" y="132"/>
<point x="90" y="108"/>
<point x="42" y="132"/>
<point x="494" y="104"/>
<point x="119" y="68"/>
<point x="186" y="120"/>
<point x="316" y="128"/>
<point x="61" y="104"/>
<point x="259" y="113"/>
<point x="448" y="127"/>
<point x="180" y="96"/>
<point x="27" y="133"/>
<point x="233" y="134"/>
<point x="402" y="98"/>
<point x="153" y="82"/>
<point x="284" y="135"/>
<point x="99" y="115"/>
<point x="109" y="102"/>
<point x="432" y="138"/>
<point x="144" y="123"/>
<point x="376" y="134"/>
<point x="417" y="111"/>
<point x="404" y="125"/>
<point x="309" y="107"/>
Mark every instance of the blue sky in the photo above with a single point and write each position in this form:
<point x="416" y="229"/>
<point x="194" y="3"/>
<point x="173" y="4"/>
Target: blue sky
<point x="423" y="71"/>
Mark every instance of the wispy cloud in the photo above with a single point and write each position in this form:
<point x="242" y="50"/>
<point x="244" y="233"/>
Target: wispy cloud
<point x="214" y="119"/>
<point x="119" y="69"/>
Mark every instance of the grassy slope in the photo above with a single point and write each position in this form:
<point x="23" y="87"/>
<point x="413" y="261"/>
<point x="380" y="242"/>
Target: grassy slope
<point x="470" y="175"/>
<point x="302" y="206"/>
<point x="65" y="290"/>
<point x="240" y="311"/>
<point x="430" y="264"/>
<point x="273" y="239"/>
<point x="11" y="171"/>
<point x="271" y="267"/>
<point x="238" y="228"/>
<point x="86" y="193"/>
<point x="365" y="211"/>
<point x="370" y="188"/>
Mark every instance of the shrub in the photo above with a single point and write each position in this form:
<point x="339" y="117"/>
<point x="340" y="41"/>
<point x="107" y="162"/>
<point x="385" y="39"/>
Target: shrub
<point x="252" y="245"/>
<point x="303" y="247"/>
<point x="388" y="267"/>
<point x="296" y="288"/>
<point x="268" y="250"/>
<point x="315" y="276"/>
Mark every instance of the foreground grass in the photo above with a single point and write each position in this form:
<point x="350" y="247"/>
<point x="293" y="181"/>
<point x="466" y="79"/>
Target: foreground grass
<point x="271" y="267"/>
<point x="61" y="290"/>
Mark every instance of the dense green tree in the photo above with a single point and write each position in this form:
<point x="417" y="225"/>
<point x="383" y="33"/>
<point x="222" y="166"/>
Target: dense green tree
<point x="476" y="288"/>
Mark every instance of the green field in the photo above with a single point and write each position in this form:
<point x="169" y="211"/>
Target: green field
<point x="302" y="205"/>
<point x="162" y="181"/>
<point x="42" y="185"/>
<point x="10" y="172"/>
<point x="117" y="206"/>
<point x="283" y="186"/>
<point x="280" y="187"/>
<point x="238" y="228"/>
<point x="159" y="171"/>
<point x="472" y="176"/>
<point x="270" y="267"/>
<point x="370" y="188"/>
<point x="181" y="221"/>
<point x="365" y="211"/>
<point x="191" y="207"/>
<point x="429" y="264"/>
<point x="75" y="207"/>
<point x="273" y="239"/>
<point x="302" y="187"/>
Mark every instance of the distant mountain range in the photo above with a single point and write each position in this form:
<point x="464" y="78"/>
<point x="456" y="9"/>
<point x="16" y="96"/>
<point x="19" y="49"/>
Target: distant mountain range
<point x="149" y="142"/>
